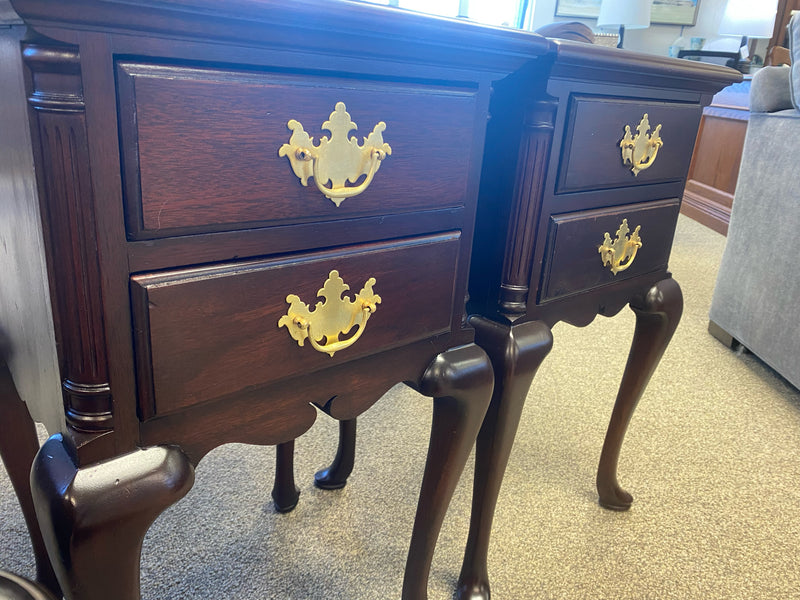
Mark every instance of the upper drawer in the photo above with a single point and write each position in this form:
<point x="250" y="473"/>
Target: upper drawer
<point x="200" y="146"/>
<point x="208" y="332"/>
<point x="573" y="261"/>
<point x="591" y="157"/>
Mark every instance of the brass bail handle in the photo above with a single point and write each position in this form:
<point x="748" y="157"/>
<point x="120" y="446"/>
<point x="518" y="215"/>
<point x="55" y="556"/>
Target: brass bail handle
<point x="639" y="152"/>
<point x="619" y="254"/>
<point x="376" y="155"/>
<point x="333" y="317"/>
<point x="337" y="160"/>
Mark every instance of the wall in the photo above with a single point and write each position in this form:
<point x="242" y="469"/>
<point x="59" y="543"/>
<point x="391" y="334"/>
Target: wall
<point x="658" y="38"/>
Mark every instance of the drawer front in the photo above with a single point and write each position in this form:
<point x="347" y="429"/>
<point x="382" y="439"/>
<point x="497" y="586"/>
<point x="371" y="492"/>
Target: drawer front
<point x="206" y="333"/>
<point x="595" y="126"/>
<point x="200" y="147"/>
<point x="573" y="263"/>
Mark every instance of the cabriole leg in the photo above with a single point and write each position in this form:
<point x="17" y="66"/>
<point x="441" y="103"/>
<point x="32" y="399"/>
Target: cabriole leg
<point x="94" y="518"/>
<point x="460" y="381"/>
<point x="285" y="493"/>
<point x="516" y="353"/>
<point x="335" y="476"/>
<point x="657" y="316"/>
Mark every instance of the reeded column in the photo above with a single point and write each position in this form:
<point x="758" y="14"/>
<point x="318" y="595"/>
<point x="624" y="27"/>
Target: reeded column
<point x="67" y="205"/>
<point x="534" y="153"/>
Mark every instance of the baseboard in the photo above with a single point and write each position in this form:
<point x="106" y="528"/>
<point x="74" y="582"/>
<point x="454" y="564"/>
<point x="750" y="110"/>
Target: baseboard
<point x="707" y="205"/>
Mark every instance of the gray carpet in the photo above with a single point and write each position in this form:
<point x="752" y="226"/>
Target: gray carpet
<point x="711" y="458"/>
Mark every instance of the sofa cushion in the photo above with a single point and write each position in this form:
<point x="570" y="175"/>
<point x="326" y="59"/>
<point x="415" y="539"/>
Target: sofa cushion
<point x="758" y="283"/>
<point x="794" y="46"/>
<point x="755" y="299"/>
<point x="770" y="90"/>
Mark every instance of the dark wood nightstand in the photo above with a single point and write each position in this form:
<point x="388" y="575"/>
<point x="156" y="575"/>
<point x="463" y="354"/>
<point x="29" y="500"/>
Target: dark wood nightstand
<point x="581" y="188"/>
<point x="244" y="209"/>
<point x="188" y="234"/>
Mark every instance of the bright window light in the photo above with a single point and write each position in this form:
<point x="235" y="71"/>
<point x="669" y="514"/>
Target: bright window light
<point x="494" y="12"/>
<point x="444" y="8"/>
<point x="491" y="12"/>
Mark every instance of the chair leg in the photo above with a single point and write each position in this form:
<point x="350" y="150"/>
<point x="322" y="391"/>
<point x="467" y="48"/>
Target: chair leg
<point x="657" y="317"/>
<point x="18" y="447"/>
<point x="460" y="381"/>
<point x="285" y="494"/>
<point x="335" y="476"/>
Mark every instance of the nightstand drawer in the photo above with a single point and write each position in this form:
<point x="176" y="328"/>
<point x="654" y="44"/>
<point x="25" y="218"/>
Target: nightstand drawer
<point x="595" y="126"/>
<point x="573" y="261"/>
<point x="201" y="147"/>
<point x="209" y="332"/>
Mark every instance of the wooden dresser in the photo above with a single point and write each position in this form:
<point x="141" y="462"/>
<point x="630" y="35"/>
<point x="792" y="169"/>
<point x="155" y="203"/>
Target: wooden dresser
<point x="715" y="163"/>
<point x="209" y="249"/>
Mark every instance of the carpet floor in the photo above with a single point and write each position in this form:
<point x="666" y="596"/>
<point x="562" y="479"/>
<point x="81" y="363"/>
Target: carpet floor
<point x="711" y="457"/>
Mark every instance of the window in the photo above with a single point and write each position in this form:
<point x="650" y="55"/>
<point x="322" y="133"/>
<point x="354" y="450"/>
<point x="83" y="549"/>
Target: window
<point x="491" y="12"/>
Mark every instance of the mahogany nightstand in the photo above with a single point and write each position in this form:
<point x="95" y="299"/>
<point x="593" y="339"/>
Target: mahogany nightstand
<point x="581" y="188"/>
<point x="212" y="250"/>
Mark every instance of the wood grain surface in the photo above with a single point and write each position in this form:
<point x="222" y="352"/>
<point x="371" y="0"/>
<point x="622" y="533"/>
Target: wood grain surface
<point x="201" y="146"/>
<point x="209" y="332"/>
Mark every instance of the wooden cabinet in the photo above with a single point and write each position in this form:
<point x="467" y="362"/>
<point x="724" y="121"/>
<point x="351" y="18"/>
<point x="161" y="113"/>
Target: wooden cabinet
<point x="717" y="153"/>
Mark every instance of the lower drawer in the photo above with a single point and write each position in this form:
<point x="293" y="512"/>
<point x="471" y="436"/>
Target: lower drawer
<point x="573" y="262"/>
<point x="209" y="332"/>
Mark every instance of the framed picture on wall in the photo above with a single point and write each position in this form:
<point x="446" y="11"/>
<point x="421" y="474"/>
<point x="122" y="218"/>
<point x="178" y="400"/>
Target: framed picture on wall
<point x="670" y="12"/>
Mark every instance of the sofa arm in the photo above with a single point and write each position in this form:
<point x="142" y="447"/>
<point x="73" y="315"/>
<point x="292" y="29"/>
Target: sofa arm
<point x="794" y="48"/>
<point x="770" y="90"/>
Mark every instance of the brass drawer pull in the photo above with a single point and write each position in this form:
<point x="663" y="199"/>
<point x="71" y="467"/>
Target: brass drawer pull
<point x="338" y="159"/>
<point x="620" y="253"/>
<point x="332" y="317"/>
<point x="640" y="151"/>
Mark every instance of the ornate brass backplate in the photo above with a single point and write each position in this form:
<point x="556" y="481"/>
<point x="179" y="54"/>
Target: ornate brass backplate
<point x="338" y="159"/>
<point x="620" y="253"/>
<point x="640" y="151"/>
<point x="332" y="317"/>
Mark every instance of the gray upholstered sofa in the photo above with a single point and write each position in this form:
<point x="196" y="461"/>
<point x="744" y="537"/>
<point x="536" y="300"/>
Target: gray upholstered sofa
<point x="757" y="296"/>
